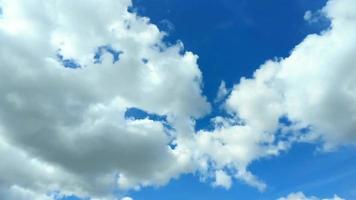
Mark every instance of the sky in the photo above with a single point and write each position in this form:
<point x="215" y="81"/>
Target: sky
<point x="172" y="100"/>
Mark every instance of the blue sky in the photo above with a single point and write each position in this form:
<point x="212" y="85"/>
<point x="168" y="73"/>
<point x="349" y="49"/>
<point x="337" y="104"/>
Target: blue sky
<point x="232" y="38"/>
<point x="97" y="104"/>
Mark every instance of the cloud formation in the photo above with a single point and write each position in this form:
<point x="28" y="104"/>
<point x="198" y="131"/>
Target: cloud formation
<point x="71" y="69"/>
<point x="63" y="128"/>
<point x="313" y="88"/>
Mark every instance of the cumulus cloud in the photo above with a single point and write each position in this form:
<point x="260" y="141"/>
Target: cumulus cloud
<point x="71" y="69"/>
<point x="301" y="196"/>
<point x="314" y="88"/>
<point x="308" y="96"/>
<point x="65" y="124"/>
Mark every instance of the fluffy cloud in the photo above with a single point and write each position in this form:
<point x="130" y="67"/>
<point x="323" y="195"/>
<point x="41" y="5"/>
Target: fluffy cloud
<point x="63" y="128"/>
<point x="314" y="88"/>
<point x="301" y="196"/>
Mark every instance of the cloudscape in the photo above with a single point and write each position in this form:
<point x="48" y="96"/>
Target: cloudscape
<point x="158" y="99"/>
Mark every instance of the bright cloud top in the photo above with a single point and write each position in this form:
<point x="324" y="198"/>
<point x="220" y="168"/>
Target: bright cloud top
<point x="70" y="71"/>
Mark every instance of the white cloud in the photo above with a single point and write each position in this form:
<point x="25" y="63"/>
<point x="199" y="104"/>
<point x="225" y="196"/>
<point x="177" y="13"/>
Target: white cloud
<point x="314" y="87"/>
<point x="127" y="198"/>
<point x="222" y="179"/>
<point x="68" y="125"/>
<point x="301" y="196"/>
<point x="235" y="147"/>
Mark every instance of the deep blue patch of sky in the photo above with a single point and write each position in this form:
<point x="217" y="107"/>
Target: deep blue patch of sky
<point x="136" y="113"/>
<point x="232" y="37"/>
